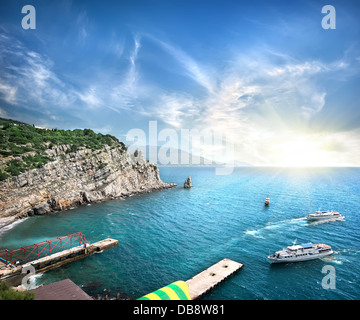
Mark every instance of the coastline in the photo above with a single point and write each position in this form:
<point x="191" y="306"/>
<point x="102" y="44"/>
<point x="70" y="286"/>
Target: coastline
<point x="7" y="223"/>
<point x="76" y="178"/>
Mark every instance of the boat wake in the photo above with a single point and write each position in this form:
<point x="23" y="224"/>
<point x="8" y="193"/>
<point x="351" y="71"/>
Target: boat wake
<point x="341" y="256"/>
<point x="326" y="220"/>
<point x="331" y="259"/>
<point x="257" y="233"/>
<point x="254" y="233"/>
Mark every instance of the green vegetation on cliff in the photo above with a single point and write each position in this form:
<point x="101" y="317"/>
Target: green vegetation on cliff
<point x="7" y="293"/>
<point x="24" y="145"/>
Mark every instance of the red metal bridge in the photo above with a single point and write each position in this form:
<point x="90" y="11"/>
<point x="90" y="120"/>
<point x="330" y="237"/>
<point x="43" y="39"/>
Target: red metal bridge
<point x="35" y="251"/>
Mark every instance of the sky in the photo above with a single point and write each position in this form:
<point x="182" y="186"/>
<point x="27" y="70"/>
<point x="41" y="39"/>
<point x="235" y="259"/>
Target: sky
<point x="264" y="76"/>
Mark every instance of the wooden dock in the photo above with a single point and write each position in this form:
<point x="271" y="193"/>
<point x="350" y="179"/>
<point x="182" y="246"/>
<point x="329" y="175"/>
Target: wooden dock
<point x="209" y="278"/>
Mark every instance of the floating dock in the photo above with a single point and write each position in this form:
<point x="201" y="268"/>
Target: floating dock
<point x="209" y="278"/>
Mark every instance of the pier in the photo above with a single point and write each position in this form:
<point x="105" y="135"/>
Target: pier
<point x="14" y="265"/>
<point x="13" y="273"/>
<point x="212" y="276"/>
<point x="198" y="285"/>
<point x="58" y="259"/>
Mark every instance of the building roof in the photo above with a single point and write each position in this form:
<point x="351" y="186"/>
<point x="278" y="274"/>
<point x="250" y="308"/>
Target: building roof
<point x="60" y="290"/>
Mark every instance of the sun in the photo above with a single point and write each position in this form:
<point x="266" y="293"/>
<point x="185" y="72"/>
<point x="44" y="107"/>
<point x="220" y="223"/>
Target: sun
<point x="300" y="151"/>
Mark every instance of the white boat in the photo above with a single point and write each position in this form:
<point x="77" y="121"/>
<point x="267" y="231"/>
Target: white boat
<point x="300" y="252"/>
<point x="321" y="215"/>
<point x="267" y="200"/>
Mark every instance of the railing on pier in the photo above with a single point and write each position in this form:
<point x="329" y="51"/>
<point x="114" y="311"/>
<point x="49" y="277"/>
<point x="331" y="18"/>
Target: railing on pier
<point x="35" y="251"/>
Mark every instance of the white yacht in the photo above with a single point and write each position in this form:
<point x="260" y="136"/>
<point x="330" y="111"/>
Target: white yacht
<point x="321" y="215"/>
<point x="300" y="252"/>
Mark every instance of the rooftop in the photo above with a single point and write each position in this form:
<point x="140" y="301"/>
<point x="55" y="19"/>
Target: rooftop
<point x="60" y="290"/>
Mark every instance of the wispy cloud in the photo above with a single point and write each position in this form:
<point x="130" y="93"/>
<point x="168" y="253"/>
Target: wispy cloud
<point x="27" y="76"/>
<point x="3" y="113"/>
<point x="245" y="86"/>
<point x="28" y="79"/>
<point x="126" y="91"/>
<point x="192" y="68"/>
<point x="82" y="23"/>
<point x="8" y="92"/>
<point x="90" y="97"/>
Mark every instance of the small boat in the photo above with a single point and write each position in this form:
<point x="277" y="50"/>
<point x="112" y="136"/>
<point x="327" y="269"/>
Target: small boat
<point x="300" y="252"/>
<point x="322" y="215"/>
<point x="267" y="200"/>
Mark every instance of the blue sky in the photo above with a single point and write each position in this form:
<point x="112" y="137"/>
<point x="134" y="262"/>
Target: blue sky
<point x="282" y="89"/>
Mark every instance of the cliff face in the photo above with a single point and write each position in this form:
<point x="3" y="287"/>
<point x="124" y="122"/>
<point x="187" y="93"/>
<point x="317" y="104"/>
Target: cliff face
<point x="76" y="178"/>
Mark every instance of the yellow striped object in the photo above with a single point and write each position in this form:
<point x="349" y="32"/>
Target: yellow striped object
<point x="178" y="290"/>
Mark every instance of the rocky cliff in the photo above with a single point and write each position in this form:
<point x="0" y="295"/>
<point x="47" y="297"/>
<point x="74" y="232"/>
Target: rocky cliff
<point x="76" y="178"/>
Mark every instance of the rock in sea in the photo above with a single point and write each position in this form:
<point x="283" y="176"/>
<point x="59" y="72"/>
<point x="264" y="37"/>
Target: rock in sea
<point x="187" y="183"/>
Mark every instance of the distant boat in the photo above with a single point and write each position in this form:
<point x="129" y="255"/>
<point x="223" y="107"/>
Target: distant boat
<point x="267" y="200"/>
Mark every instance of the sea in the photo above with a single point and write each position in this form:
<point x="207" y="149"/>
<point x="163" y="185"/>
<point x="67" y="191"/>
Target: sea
<point x="174" y="234"/>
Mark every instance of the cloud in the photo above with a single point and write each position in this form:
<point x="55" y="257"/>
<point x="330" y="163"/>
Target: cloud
<point x="297" y="69"/>
<point x="176" y="110"/>
<point x="90" y="97"/>
<point x="27" y="77"/>
<point x="117" y="93"/>
<point x="3" y="113"/>
<point x="132" y="75"/>
<point x="242" y="88"/>
<point x="189" y="65"/>
<point x="82" y="22"/>
<point x="82" y="35"/>
<point x="8" y="92"/>
<point x="316" y="102"/>
<point x="255" y="99"/>
<point x="124" y="93"/>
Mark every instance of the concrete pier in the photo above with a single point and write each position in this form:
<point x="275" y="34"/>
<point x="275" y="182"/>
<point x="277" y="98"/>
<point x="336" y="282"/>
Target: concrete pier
<point x="197" y="285"/>
<point x="206" y="280"/>
<point x="15" y="275"/>
<point x="58" y="259"/>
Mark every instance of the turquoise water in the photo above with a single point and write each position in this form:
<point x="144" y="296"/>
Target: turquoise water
<point x="175" y="234"/>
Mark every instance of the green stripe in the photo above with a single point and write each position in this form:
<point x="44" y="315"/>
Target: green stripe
<point x="143" y="298"/>
<point x="162" y="295"/>
<point x="178" y="291"/>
